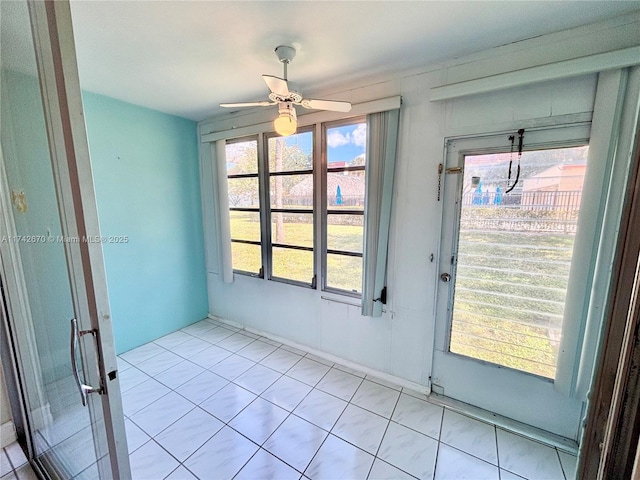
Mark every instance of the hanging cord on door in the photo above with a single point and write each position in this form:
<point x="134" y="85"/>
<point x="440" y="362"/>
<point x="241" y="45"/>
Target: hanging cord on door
<point x="520" y="143"/>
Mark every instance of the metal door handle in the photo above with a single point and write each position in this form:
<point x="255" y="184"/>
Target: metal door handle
<point x="82" y="387"/>
<point x="445" y="277"/>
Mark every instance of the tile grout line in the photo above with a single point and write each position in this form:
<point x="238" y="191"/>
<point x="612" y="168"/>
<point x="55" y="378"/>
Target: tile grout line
<point x="312" y="387"/>
<point x="385" y="431"/>
<point x="495" y="433"/>
<point x="284" y="420"/>
<point x="561" y="465"/>
<point x="291" y="413"/>
<point x="435" y="464"/>
<point x="13" y="469"/>
<point x="317" y="451"/>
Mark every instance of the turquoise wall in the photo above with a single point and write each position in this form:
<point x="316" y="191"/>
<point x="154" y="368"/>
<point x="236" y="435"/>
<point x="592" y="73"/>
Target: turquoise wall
<point x="25" y="151"/>
<point x="146" y="175"/>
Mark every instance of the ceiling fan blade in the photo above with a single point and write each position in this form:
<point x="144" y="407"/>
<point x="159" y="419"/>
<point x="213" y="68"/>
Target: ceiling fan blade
<point x="276" y="85"/>
<point x="247" y="104"/>
<point x="326" y="105"/>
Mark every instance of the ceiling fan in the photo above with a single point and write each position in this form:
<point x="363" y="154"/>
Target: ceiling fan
<point x="287" y="123"/>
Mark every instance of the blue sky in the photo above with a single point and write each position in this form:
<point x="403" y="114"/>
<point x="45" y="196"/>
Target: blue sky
<point x="303" y="140"/>
<point x="344" y="143"/>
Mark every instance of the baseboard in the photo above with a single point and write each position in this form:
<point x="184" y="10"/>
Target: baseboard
<point x="7" y="434"/>
<point x="402" y="382"/>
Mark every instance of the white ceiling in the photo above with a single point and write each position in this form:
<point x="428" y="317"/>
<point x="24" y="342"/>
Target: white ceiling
<point x="185" y="57"/>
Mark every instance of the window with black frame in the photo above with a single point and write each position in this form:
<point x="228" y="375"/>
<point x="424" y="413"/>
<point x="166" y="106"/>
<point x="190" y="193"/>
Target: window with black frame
<point x="243" y="187"/>
<point x="291" y="225"/>
<point x="344" y="201"/>
<point x="291" y="184"/>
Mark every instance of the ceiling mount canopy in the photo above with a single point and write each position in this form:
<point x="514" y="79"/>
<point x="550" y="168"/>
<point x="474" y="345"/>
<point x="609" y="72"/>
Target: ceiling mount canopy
<point x="285" y="53"/>
<point x="286" y="123"/>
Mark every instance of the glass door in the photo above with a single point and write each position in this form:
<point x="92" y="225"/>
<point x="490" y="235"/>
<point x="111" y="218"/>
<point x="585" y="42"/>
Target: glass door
<point x="509" y="227"/>
<point x="58" y="324"/>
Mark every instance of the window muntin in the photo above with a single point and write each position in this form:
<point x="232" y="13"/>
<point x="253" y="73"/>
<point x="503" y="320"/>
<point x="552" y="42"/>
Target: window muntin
<point x="243" y="188"/>
<point x="514" y="253"/>
<point x="344" y="197"/>
<point x="291" y="184"/>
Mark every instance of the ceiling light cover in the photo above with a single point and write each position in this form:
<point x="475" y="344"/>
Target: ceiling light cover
<point x="286" y="124"/>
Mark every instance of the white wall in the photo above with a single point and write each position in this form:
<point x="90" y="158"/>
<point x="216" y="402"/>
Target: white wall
<point x="400" y="343"/>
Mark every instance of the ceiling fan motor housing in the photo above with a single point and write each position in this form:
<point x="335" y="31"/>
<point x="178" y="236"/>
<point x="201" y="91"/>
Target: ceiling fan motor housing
<point x="293" y="97"/>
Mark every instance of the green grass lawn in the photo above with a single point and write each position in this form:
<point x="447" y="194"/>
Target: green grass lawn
<point x="343" y="272"/>
<point x="509" y="297"/>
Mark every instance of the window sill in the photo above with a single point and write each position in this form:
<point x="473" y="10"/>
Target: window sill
<point x="344" y="299"/>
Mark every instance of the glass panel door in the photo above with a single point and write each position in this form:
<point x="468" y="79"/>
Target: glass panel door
<point x="48" y="217"/>
<point x="505" y="262"/>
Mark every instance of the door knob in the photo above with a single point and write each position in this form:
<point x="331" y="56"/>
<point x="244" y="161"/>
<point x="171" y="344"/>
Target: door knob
<point x="445" y="277"/>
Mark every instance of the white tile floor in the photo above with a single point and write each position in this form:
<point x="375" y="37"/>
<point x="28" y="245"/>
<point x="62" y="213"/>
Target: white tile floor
<point x="212" y="402"/>
<point x="13" y="464"/>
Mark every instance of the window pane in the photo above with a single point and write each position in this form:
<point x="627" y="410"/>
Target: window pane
<point x="243" y="192"/>
<point x="245" y="225"/>
<point x="242" y="157"/>
<point x="292" y="229"/>
<point x="293" y="264"/>
<point x="246" y="257"/>
<point x="291" y="153"/>
<point x="346" y="190"/>
<point x="514" y="258"/>
<point x="346" y="145"/>
<point x="291" y="191"/>
<point x="344" y="273"/>
<point x="345" y="232"/>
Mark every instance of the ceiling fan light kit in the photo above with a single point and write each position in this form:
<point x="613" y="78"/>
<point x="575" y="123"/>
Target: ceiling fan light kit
<point x="287" y="123"/>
